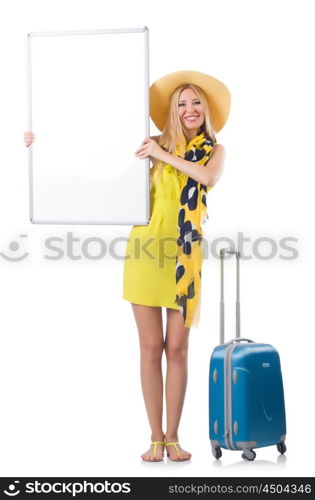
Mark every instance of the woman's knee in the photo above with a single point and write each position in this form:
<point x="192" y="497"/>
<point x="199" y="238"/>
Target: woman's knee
<point x="176" y="352"/>
<point x="152" y="351"/>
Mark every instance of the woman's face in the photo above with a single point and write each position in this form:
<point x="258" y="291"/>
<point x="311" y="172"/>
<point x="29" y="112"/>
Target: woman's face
<point x="190" y="111"/>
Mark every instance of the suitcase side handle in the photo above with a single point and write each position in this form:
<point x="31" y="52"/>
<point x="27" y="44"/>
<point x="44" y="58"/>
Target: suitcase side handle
<point x="223" y="252"/>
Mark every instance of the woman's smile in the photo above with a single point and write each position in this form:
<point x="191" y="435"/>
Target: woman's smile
<point x="192" y="118"/>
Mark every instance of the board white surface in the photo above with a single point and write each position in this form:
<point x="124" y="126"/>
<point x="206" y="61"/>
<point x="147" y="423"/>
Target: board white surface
<point x="88" y="105"/>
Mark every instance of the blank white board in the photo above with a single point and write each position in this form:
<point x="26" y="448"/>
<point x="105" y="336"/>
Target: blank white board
<point x="88" y="106"/>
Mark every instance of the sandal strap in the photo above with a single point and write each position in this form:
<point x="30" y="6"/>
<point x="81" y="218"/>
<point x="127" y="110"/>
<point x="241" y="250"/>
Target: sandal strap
<point x="174" y="444"/>
<point x="155" y="443"/>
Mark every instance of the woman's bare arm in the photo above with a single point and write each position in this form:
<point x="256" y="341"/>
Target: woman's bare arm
<point x="208" y="174"/>
<point x="155" y="137"/>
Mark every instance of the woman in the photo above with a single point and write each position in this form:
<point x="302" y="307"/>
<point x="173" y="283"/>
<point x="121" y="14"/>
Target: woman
<point x="167" y="272"/>
<point x="164" y="258"/>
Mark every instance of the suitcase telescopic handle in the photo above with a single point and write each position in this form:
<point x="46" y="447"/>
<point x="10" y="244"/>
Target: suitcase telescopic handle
<point x="223" y="253"/>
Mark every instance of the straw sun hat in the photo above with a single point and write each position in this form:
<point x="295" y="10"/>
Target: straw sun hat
<point x="218" y="96"/>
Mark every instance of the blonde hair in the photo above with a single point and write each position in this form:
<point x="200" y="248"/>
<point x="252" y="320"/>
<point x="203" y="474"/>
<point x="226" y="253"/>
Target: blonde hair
<point x="173" y="131"/>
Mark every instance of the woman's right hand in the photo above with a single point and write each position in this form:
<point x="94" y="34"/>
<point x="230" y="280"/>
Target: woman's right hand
<point x="29" y="137"/>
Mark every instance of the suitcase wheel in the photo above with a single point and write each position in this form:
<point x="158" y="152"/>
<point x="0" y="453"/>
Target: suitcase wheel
<point x="281" y="448"/>
<point x="248" y="454"/>
<point x="216" y="452"/>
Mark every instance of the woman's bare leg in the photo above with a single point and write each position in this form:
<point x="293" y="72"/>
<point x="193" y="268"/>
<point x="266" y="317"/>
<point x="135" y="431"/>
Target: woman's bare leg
<point x="176" y="349"/>
<point x="150" y="328"/>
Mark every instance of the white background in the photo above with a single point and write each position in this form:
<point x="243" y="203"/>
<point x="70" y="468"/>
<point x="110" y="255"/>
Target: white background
<point x="70" y="380"/>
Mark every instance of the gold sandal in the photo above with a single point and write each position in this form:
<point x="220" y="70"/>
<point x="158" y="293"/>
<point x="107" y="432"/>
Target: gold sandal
<point x="155" y="443"/>
<point x="176" y="447"/>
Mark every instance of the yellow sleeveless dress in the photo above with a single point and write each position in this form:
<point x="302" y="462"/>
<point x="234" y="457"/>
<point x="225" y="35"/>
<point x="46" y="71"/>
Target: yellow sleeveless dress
<point x="150" y="260"/>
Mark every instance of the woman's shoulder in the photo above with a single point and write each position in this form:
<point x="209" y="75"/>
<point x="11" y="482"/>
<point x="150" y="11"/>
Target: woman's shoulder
<point x="218" y="148"/>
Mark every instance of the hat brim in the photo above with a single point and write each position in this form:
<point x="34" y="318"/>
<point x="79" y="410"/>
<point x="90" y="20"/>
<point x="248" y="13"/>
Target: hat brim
<point x="218" y="96"/>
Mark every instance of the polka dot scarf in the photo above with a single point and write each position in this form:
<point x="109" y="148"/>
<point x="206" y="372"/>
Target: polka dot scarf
<point x="192" y="214"/>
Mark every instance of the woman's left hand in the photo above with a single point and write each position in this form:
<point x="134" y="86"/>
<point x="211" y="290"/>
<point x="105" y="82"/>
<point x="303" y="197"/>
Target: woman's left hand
<point x="149" y="147"/>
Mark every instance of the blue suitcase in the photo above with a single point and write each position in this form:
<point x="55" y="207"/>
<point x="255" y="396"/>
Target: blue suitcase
<point x="246" y="398"/>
